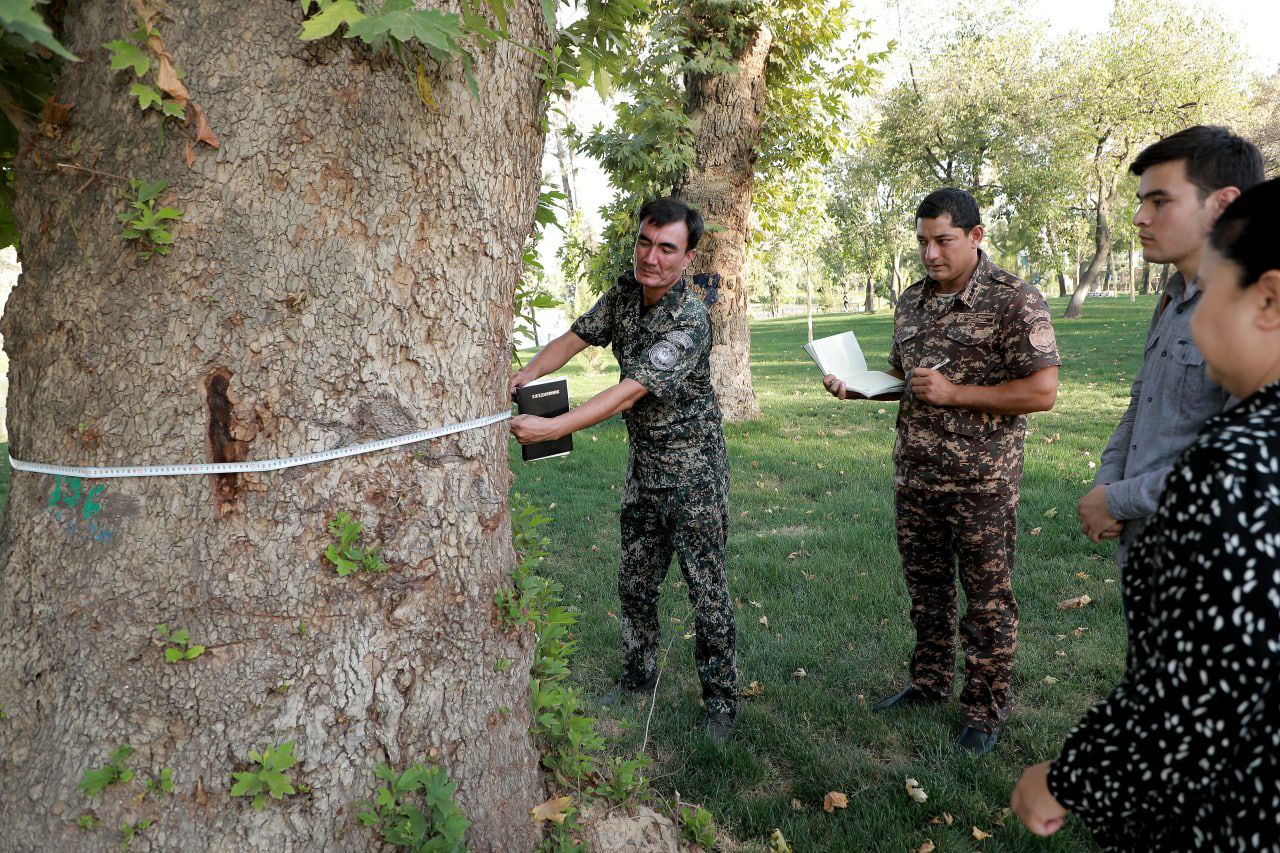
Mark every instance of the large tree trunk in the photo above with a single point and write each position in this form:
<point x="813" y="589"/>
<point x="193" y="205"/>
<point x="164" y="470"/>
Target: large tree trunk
<point x="1102" y="252"/>
<point x="728" y="109"/>
<point x="343" y="272"/>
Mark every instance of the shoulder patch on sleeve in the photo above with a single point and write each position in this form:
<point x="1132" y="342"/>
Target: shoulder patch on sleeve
<point x="680" y="339"/>
<point x="1042" y="337"/>
<point x="664" y="354"/>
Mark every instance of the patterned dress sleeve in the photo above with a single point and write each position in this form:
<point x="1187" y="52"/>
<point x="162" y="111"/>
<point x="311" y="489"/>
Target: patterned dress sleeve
<point x="1204" y="654"/>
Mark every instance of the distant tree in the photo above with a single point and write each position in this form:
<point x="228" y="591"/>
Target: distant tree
<point x="1155" y="70"/>
<point x="723" y="94"/>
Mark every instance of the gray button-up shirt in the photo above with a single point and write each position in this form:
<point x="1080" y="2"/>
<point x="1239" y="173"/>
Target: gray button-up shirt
<point x="1168" y="402"/>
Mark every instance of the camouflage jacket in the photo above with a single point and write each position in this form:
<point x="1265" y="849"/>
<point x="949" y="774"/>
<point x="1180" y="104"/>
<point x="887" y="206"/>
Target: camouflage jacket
<point x="675" y="430"/>
<point x="995" y="330"/>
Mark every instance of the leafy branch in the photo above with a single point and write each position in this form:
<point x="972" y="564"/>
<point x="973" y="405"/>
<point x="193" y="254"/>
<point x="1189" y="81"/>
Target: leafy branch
<point x="431" y="820"/>
<point x="146" y="223"/>
<point x="346" y="555"/>
<point x="177" y="645"/>
<point x="114" y="772"/>
<point x="268" y="777"/>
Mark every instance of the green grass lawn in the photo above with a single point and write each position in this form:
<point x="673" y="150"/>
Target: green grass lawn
<point x="817" y="584"/>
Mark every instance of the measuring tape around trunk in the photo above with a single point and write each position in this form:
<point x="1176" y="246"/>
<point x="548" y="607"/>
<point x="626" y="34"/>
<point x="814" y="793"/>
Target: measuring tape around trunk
<point x="91" y="473"/>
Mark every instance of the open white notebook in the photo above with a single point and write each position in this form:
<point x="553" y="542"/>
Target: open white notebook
<point x="841" y="356"/>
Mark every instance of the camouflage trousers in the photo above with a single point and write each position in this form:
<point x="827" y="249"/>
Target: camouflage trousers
<point x="938" y="533"/>
<point x="691" y="521"/>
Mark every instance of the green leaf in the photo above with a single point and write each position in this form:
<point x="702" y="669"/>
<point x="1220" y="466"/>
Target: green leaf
<point x="18" y="17"/>
<point x="168" y="213"/>
<point x="173" y="109"/>
<point x="441" y="33"/>
<point x="246" y="783"/>
<point x="278" y="783"/>
<point x="95" y="781"/>
<point x="341" y="563"/>
<point x="172" y="654"/>
<point x="549" y="14"/>
<point x="181" y="637"/>
<point x="194" y="652"/>
<point x="147" y="95"/>
<point x="126" y="54"/>
<point x="148" y="190"/>
<point x="330" y="18"/>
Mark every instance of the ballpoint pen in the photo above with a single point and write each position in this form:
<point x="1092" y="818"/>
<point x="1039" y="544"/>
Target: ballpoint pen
<point x="941" y="364"/>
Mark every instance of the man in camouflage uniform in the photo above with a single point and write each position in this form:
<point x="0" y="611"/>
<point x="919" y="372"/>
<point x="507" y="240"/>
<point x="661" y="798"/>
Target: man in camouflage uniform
<point x="676" y="498"/>
<point x="980" y="353"/>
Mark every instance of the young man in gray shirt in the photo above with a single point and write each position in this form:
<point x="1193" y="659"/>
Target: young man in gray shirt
<point x="1185" y="181"/>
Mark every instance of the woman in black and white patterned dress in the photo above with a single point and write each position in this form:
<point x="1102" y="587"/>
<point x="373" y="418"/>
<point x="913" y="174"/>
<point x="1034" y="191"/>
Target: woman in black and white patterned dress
<point x="1185" y="753"/>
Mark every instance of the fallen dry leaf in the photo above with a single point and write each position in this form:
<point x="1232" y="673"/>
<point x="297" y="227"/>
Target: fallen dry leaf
<point x="1079" y="632"/>
<point x="979" y="835"/>
<point x="915" y="792"/>
<point x="926" y="847"/>
<point x="946" y="816"/>
<point x="1035" y="531"/>
<point x="778" y="842"/>
<point x="1049" y="679"/>
<point x="553" y="810"/>
<point x="1082" y="576"/>
<point x="754" y="603"/>
<point x="834" y="800"/>
<point x="1075" y="603"/>
<point x="800" y="673"/>
<point x="807" y="576"/>
<point x="201" y="799"/>
<point x="1050" y="513"/>
<point x="755" y="688"/>
<point x="188" y="155"/>
<point x="167" y="80"/>
<point x="797" y="806"/>
<point x="764" y="620"/>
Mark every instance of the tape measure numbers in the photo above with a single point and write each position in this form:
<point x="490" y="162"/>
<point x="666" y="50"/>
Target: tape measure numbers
<point x="259" y="466"/>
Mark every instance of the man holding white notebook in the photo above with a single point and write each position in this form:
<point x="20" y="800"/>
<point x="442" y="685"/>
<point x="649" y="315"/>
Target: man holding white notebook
<point x="975" y="351"/>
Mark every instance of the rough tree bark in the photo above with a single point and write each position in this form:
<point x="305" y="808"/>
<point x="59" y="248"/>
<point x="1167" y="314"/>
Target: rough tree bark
<point x="728" y="109"/>
<point x="343" y="272"/>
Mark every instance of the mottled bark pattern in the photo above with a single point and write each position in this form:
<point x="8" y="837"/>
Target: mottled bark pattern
<point x="728" y="108"/>
<point x="343" y="272"/>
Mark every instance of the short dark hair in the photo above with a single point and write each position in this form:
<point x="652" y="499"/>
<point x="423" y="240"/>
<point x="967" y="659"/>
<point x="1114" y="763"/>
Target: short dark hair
<point x="953" y="202"/>
<point x="1245" y="233"/>
<point x="664" y="211"/>
<point x="1215" y="156"/>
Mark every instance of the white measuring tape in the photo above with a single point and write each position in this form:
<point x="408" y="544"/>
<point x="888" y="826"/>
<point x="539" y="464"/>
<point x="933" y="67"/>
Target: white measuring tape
<point x="259" y="466"/>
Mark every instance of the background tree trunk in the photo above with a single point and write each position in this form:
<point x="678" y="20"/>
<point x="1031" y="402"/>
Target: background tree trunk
<point x="895" y="286"/>
<point x="344" y="271"/>
<point x="1102" y="253"/>
<point x="728" y="109"/>
<point x="1146" y="278"/>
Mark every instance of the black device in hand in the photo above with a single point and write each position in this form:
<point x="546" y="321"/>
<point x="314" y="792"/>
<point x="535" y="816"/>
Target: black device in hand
<point x="546" y="399"/>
